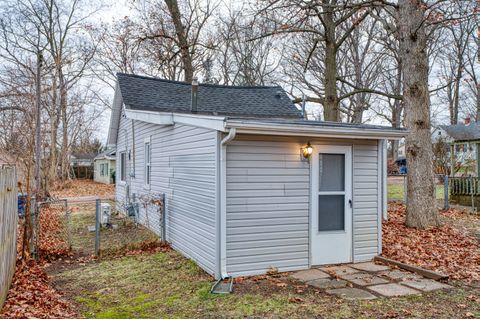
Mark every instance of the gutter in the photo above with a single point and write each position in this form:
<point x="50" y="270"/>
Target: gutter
<point x="314" y="131"/>
<point x="223" y="201"/>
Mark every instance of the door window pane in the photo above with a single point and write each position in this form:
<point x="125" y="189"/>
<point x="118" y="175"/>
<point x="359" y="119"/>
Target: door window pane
<point x="332" y="172"/>
<point x="331" y="212"/>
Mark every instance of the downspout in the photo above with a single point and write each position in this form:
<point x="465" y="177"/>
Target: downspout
<point x="223" y="201"/>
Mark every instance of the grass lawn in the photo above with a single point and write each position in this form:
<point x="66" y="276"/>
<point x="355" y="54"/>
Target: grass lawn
<point x="167" y="285"/>
<point x="395" y="191"/>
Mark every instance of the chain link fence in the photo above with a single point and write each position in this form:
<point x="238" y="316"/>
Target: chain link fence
<point x="99" y="227"/>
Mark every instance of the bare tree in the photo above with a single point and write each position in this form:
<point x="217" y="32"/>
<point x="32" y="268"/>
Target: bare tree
<point x="240" y="61"/>
<point x="458" y="39"/>
<point x="173" y="35"/>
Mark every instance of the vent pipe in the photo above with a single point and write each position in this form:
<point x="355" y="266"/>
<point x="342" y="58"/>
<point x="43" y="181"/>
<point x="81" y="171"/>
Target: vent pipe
<point x="303" y="106"/>
<point x="193" y="107"/>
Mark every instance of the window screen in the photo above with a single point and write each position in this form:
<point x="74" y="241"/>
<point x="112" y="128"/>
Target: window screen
<point x="331" y="212"/>
<point x="123" y="166"/>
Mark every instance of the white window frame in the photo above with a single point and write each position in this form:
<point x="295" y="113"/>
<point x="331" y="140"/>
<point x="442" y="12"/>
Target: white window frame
<point x="123" y="166"/>
<point x="147" y="164"/>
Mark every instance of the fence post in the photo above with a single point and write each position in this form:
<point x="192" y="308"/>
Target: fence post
<point x="97" y="227"/>
<point x="69" y="232"/>
<point x="445" y="192"/>
<point x="471" y="192"/>
<point x="33" y="227"/>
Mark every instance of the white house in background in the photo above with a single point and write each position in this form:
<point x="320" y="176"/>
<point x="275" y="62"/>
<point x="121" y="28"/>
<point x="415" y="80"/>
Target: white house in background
<point x="104" y="167"/>
<point x="464" y="140"/>
<point x="240" y="195"/>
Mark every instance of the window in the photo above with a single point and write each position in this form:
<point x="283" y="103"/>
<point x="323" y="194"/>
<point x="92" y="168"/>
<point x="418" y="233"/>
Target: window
<point x="123" y="166"/>
<point x="148" y="170"/>
<point x="102" y="169"/>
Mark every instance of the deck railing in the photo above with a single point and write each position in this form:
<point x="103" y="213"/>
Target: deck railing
<point x="464" y="185"/>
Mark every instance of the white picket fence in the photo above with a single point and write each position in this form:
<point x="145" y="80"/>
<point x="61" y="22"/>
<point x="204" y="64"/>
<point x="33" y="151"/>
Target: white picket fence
<point x="8" y="228"/>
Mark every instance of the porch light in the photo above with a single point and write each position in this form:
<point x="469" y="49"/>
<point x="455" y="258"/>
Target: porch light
<point x="307" y="151"/>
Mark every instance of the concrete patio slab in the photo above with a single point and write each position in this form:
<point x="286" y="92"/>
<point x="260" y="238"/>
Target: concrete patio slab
<point x="310" y="274"/>
<point x="393" y="290"/>
<point x="399" y="275"/>
<point x="425" y="284"/>
<point x="352" y="293"/>
<point x="364" y="279"/>
<point x="370" y="267"/>
<point x="339" y="270"/>
<point x="325" y="283"/>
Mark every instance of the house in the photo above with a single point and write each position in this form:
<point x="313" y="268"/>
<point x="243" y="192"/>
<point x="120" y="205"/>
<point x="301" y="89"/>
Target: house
<point x="249" y="184"/>
<point x="463" y="140"/>
<point x="81" y="165"/>
<point x="104" y="167"/>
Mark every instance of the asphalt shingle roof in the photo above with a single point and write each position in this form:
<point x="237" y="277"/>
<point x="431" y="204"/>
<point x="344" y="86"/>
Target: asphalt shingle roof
<point x="153" y="94"/>
<point x="462" y="132"/>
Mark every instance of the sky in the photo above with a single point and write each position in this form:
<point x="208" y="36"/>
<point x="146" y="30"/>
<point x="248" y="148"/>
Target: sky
<point x="115" y="10"/>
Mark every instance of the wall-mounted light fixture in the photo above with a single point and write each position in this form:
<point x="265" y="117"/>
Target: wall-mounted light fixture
<point x="307" y="151"/>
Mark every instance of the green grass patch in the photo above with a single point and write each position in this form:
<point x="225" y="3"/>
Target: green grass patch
<point x="167" y="285"/>
<point x="396" y="191"/>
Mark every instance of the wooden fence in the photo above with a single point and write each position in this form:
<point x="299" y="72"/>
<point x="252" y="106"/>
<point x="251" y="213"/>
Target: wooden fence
<point x="8" y="228"/>
<point x="464" y="185"/>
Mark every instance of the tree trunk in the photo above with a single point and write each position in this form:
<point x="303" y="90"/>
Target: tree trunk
<point x="38" y="136"/>
<point x="63" y="114"/>
<point x="331" y="110"/>
<point x="421" y="205"/>
<point x="182" y="39"/>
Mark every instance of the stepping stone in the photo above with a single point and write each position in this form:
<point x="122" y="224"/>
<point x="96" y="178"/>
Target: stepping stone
<point x="340" y="270"/>
<point x="310" y="274"/>
<point x="325" y="283"/>
<point x="392" y="290"/>
<point x="425" y="284"/>
<point x="352" y="293"/>
<point x="364" y="279"/>
<point x="370" y="266"/>
<point x="399" y="275"/>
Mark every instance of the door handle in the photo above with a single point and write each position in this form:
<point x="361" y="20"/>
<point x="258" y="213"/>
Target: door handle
<point x="351" y="203"/>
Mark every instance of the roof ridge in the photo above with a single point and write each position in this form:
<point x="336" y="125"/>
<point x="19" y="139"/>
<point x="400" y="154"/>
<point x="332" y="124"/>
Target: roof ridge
<point x="200" y="84"/>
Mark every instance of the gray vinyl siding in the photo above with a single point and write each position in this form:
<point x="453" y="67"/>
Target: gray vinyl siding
<point x="365" y="201"/>
<point x="183" y="166"/>
<point x="267" y="207"/>
<point x="268" y="196"/>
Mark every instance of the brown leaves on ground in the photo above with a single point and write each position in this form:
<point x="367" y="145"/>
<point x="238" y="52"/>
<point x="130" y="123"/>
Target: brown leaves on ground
<point x="31" y="295"/>
<point x="445" y="249"/>
<point x="83" y="187"/>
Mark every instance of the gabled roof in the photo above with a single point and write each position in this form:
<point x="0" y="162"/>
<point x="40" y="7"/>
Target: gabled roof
<point x="462" y="132"/>
<point x="107" y="154"/>
<point x="153" y="94"/>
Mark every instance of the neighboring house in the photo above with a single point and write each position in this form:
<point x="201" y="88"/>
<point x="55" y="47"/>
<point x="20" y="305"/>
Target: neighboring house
<point x="104" y="167"/>
<point x="81" y="165"/>
<point x="240" y="195"/>
<point x="463" y="140"/>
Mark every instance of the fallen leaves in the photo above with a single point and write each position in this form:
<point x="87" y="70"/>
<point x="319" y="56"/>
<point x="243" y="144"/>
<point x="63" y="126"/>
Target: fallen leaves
<point x="31" y="296"/>
<point x="83" y="187"/>
<point x="445" y="249"/>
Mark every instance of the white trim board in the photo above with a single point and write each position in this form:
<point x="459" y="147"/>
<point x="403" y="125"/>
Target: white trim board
<point x="224" y="124"/>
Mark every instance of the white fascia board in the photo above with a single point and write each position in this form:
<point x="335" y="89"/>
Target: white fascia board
<point x="315" y="131"/>
<point x="164" y="118"/>
<point x="206" y="121"/>
<point x="150" y="117"/>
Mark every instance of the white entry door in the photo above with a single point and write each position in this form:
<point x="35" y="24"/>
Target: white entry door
<point x="331" y="205"/>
